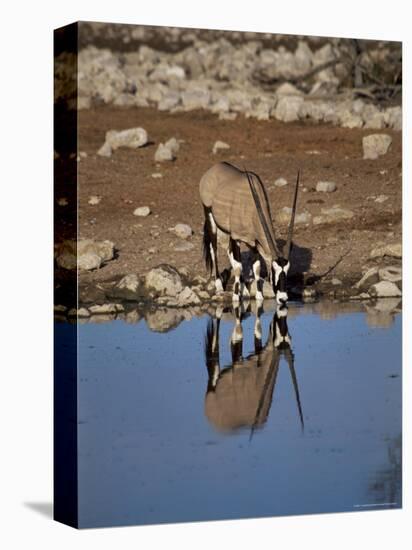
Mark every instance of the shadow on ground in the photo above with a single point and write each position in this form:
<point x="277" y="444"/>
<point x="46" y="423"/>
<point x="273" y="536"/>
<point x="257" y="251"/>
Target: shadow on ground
<point x="45" y="509"/>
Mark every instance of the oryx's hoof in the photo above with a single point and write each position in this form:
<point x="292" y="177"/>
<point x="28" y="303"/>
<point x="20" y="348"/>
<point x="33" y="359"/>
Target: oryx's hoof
<point x="259" y="297"/>
<point x="245" y="292"/>
<point x="218" y="286"/>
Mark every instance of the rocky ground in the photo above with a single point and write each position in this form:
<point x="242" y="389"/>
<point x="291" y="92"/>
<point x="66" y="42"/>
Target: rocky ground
<point x="151" y="122"/>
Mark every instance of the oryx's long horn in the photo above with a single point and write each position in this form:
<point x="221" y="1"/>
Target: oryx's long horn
<point x="292" y="220"/>
<point x="290" y="359"/>
<point x="272" y="245"/>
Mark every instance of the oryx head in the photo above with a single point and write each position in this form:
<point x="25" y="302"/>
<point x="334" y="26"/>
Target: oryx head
<point x="280" y="258"/>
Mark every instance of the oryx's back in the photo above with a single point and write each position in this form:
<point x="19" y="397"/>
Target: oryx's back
<point x="226" y="190"/>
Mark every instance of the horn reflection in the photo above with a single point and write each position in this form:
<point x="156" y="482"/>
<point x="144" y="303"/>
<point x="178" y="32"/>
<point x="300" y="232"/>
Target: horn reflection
<point x="240" y="395"/>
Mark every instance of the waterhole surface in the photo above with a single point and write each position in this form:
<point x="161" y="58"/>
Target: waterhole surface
<point x="180" y="425"/>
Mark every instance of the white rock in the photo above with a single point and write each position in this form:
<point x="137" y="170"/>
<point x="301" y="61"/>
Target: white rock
<point x="132" y="138"/>
<point x="287" y="108"/>
<point x="164" y="280"/>
<point x="170" y="100"/>
<point x="375" y="145"/>
<point x="85" y="254"/>
<point x="381" y="198"/>
<point x="369" y="278"/>
<point x="167" y="151"/>
<point x="393" y="117"/>
<point x="94" y="199"/>
<point x="157" y="175"/>
<point x="351" y="120"/>
<point x="334" y="214"/>
<point x="163" y="153"/>
<point x="182" y="230"/>
<point x="326" y="186"/>
<point x="280" y="182"/>
<point x="391" y="273"/>
<point x="88" y="261"/>
<point x="393" y="250"/>
<point x="183" y="247"/>
<point x="142" y="211"/>
<point x="127" y="288"/>
<point x="195" y="99"/>
<point x="384" y="289"/>
<point x="287" y="89"/>
<point x="187" y="297"/>
<point x="106" y="308"/>
<point x="220" y="145"/>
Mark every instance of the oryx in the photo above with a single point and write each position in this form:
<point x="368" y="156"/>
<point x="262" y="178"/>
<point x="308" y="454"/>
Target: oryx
<point x="240" y="394"/>
<point x="235" y="202"/>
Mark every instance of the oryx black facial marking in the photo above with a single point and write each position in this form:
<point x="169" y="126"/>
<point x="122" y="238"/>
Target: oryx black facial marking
<point x="280" y="269"/>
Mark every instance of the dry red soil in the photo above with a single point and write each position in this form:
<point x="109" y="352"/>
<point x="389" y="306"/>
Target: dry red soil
<point x="270" y="148"/>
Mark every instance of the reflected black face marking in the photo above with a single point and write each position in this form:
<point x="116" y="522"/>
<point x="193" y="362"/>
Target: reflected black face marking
<point x="280" y="269"/>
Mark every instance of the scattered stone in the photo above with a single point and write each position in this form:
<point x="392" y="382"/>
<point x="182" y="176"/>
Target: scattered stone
<point x="287" y="89"/>
<point x="393" y="117"/>
<point x="326" y="186"/>
<point x="336" y="282"/>
<point x="287" y="108"/>
<point x="94" y="199"/>
<point x="156" y="175"/>
<point x="195" y="99"/>
<point x="167" y="151"/>
<point x="142" y="211"/>
<point x="105" y="308"/>
<point x="369" y="278"/>
<point x="187" y="297"/>
<point x="332" y="215"/>
<point x="164" y="280"/>
<point x="375" y="145"/>
<point x="183" y="247"/>
<point x="60" y="308"/>
<point x="392" y="250"/>
<point x="384" y="289"/>
<point x="182" y="230"/>
<point x="281" y="182"/>
<point x="85" y="254"/>
<point x="132" y="138"/>
<point x="128" y="288"/>
<point x="219" y="146"/>
<point x="381" y="198"/>
<point x="391" y="273"/>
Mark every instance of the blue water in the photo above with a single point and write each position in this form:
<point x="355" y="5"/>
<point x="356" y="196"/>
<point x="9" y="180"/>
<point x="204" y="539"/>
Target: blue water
<point x="147" y="452"/>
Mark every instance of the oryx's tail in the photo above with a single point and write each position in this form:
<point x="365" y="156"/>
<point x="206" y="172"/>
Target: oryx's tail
<point x="207" y="241"/>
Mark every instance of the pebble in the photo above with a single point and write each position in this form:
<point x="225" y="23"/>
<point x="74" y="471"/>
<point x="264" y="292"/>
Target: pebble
<point x="281" y="182"/>
<point x="381" y="198"/>
<point x="94" y="199"/>
<point x="376" y="145"/>
<point x="142" y="211"/>
<point x="326" y="186"/>
<point x="182" y="230"/>
<point x="157" y="175"/>
<point x="220" y="145"/>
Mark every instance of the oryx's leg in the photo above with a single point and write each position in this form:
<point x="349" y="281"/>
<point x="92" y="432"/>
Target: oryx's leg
<point x="256" y="272"/>
<point x="235" y="262"/>
<point x="212" y="352"/>
<point x="236" y="339"/>
<point x="210" y="247"/>
<point x="258" y="327"/>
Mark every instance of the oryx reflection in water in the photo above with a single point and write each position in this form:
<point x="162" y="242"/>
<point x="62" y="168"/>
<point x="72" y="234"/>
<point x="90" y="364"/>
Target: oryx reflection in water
<point x="240" y="394"/>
